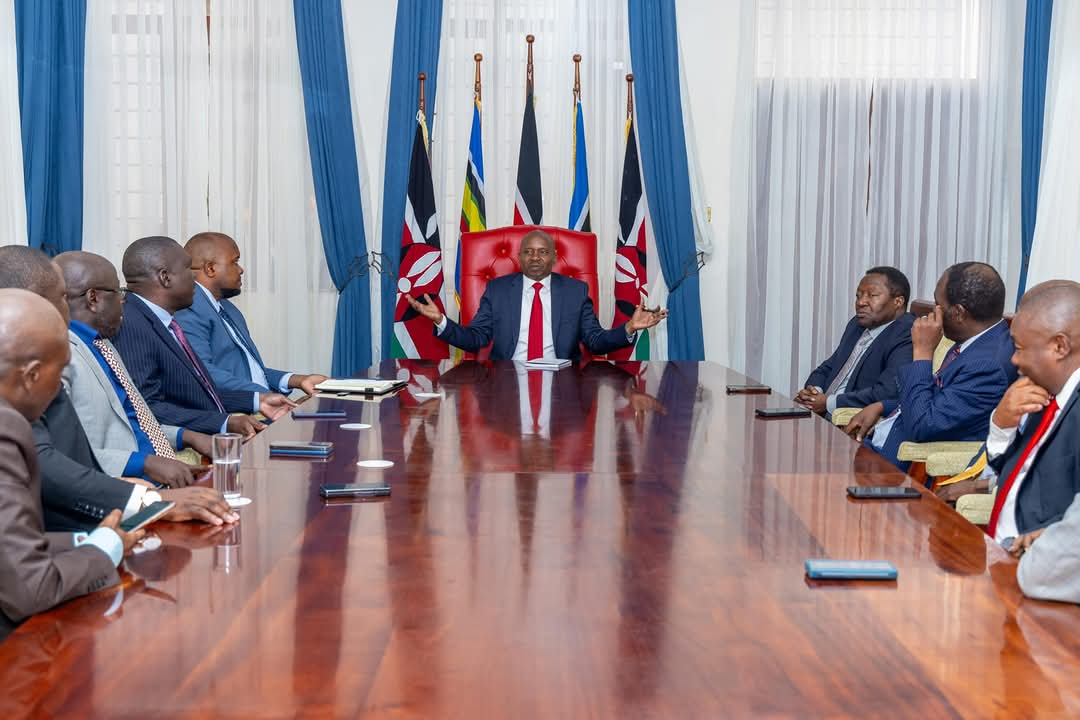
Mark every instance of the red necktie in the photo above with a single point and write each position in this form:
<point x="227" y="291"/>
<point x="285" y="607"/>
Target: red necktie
<point x="209" y="386"/>
<point x="536" y="325"/>
<point x="1003" y="491"/>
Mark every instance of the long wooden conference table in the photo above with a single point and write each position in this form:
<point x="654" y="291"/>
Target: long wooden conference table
<point x="633" y="548"/>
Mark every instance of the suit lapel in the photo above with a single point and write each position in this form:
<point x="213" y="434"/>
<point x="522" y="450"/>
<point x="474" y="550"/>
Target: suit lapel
<point x="514" y="316"/>
<point x="237" y="319"/>
<point x="556" y="308"/>
<point x="86" y="355"/>
<point x="170" y="342"/>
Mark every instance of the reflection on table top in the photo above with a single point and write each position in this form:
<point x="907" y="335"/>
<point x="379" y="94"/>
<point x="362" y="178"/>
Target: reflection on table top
<point x="607" y="541"/>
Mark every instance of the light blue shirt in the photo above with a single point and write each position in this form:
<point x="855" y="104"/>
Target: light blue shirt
<point x="104" y="539"/>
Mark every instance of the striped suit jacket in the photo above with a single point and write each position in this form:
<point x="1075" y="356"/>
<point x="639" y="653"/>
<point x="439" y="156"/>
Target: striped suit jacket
<point x="165" y="376"/>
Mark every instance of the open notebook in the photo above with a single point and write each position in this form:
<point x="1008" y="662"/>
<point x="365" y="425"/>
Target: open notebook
<point x="363" y="386"/>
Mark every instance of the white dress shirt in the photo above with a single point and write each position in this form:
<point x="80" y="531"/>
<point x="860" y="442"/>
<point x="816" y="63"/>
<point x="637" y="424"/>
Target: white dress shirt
<point x="521" y="351"/>
<point x="998" y="442"/>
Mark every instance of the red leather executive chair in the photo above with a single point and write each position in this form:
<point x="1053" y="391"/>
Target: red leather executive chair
<point x="494" y="253"/>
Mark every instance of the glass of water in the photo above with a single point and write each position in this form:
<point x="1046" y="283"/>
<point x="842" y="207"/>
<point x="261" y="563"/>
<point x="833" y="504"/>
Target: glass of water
<point x="227" y="464"/>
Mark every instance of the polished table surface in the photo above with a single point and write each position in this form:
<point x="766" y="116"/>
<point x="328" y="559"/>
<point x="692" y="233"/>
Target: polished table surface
<point x="634" y="550"/>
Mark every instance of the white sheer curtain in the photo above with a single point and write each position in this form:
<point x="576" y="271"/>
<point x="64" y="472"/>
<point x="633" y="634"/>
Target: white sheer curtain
<point x="12" y="193"/>
<point x="497" y="28"/>
<point x="1055" y="251"/>
<point x="881" y="133"/>
<point x="261" y="190"/>
<point x="369" y="49"/>
<point x="146" y="148"/>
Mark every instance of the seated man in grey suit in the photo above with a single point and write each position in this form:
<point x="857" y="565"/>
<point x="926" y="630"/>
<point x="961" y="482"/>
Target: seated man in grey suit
<point x="216" y="328"/>
<point x="39" y="570"/>
<point x="126" y="438"/>
<point x="1049" y="566"/>
<point x="75" y="493"/>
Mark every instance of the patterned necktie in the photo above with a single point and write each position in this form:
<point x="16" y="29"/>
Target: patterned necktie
<point x="953" y="354"/>
<point x="1003" y="491"/>
<point x="536" y="325"/>
<point x="207" y="385"/>
<point x="840" y="381"/>
<point x="147" y="422"/>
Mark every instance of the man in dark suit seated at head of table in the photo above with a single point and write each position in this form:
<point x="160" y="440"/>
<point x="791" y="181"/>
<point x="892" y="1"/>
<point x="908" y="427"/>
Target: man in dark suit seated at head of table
<point x="536" y="313"/>
<point x="1033" y="435"/>
<point x="174" y="381"/>
<point x="954" y="403"/>
<point x="39" y="570"/>
<point x="75" y="493"/>
<point x="216" y="328"/>
<point x="875" y="344"/>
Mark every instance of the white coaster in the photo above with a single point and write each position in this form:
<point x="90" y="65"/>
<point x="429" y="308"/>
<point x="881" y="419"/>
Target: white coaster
<point x="375" y="463"/>
<point x="148" y="544"/>
<point x="355" y="426"/>
<point x="238" y="501"/>
<point x="427" y="395"/>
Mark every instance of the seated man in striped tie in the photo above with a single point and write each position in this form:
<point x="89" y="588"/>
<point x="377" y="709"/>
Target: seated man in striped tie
<point x="75" y="493"/>
<point x="216" y="328"/>
<point x="173" y="380"/>
<point x="875" y="344"/>
<point x="954" y="403"/>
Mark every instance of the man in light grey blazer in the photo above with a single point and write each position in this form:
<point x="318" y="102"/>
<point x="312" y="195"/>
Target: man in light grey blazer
<point x="1050" y="559"/>
<point x="123" y="433"/>
<point x="39" y="570"/>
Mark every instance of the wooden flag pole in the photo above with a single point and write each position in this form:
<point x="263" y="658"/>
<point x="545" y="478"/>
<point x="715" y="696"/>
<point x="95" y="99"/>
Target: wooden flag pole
<point x="476" y="82"/>
<point x="629" y="95"/>
<point x="577" y="78"/>
<point x="529" y="65"/>
<point x="423" y="105"/>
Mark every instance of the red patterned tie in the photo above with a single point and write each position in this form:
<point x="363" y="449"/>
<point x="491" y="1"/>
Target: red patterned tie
<point x="143" y="416"/>
<point x="209" y="386"/>
<point x="1003" y="491"/>
<point x="536" y="324"/>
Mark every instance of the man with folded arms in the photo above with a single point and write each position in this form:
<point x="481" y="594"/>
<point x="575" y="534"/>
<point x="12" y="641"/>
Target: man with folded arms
<point x="175" y="383"/>
<point x="955" y="402"/>
<point x="216" y="328"/>
<point x="1031" y="446"/>
<point x="875" y="344"/>
<point x="75" y="493"/>
<point x="39" y="570"/>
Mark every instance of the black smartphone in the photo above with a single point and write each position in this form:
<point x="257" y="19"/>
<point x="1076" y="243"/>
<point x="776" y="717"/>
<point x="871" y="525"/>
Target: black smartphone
<point x="147" y="515"/>
<point x="360" y="490"/>
<point x="749" y="390"/>
<point x="318" y="414"/>
<point x="883" y="492"/>
<point x="788" y="412"/>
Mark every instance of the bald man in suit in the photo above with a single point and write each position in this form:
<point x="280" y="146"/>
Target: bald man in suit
<point x="39" y="570"/>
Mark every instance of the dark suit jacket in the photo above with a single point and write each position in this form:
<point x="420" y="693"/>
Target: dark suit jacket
<point x="960" y="408"/>
<point x="1053" y="480"/>
<point x="498" y="320"/>
<point x="75" y="494"/>
<point x="37" y="571"/>
<point x="214" y="345"/>
<point x="166" y="378"/>
<point x="874" y="377"/>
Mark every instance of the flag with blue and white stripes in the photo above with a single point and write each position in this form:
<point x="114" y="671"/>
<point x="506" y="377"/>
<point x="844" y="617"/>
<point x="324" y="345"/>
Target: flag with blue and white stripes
<point x="579" y="201"/>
